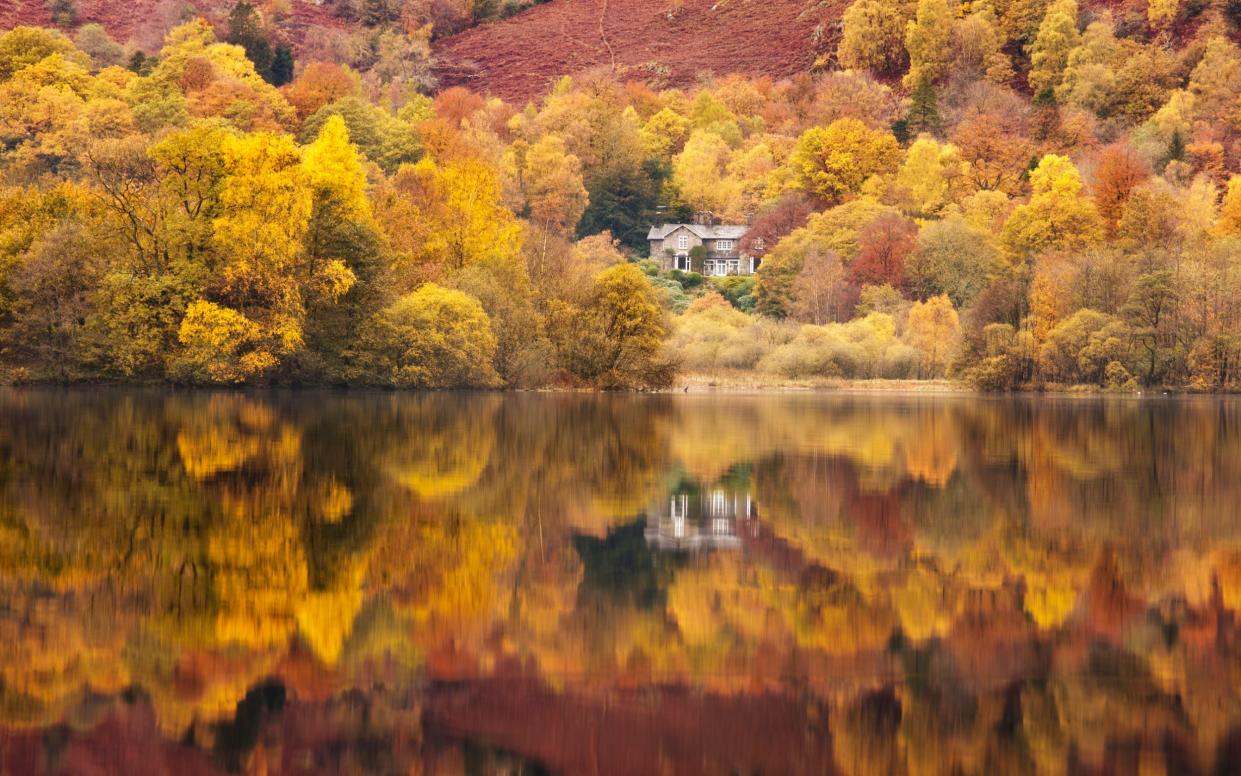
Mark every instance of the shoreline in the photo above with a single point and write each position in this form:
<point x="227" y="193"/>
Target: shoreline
<point x="696" y="384"/>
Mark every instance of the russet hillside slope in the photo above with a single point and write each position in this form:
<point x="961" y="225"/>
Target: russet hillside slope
<point x="661" y="42"/>
<point x="144" y="22"/>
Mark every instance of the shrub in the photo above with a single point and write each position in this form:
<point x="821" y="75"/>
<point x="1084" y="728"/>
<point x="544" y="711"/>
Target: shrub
<point x="862" y="348"/>
<point x="432" y="338"/>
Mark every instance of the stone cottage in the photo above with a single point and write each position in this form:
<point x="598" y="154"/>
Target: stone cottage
<point x="673" y="246"/>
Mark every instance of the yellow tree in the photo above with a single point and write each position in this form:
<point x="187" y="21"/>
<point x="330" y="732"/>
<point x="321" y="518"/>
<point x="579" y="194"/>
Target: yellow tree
<point x="1161" y="13"/>
<point x="615" y="338"/>
<point x="664" y="134"/>
<point x="445" y="217"/>
<point x="1215" y="81"/>
<point x="265" y="206"/>
<point x="699" y="173"/>
<point x="221" y="345"/>
<point x="933" y="329"/>
<point x="978" y="47"/>
<point x="334" y="172"/>
<point x="1049" y="52"/>
<point x="873" y="36"/>
<point x="833" y="162"/>
<point x="1229" y="221"/>
<point x="932" y="176"/>
<point x="1057" y="217"/>
<point x="928" y="41"/>
<point x="433" y="338"/>
<point x="546" y="184"/>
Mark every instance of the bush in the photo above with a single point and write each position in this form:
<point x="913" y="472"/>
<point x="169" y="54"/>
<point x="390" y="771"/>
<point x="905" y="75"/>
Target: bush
<point x="1007" y="362"/>
<point x="1080" y="348"/>
<point x="433" y="338"/>
<point x="712" y="335"/>
<point x="615" y="340"/>
<point x="737" y="289"/>
<point x="862" y="348"/>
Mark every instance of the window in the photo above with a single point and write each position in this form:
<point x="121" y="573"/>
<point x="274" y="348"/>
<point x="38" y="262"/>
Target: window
<point x="723" y="245"/>
<point x="683" y="241"/>
<point x="734" y="266"/>
<point x="682" y="262"/>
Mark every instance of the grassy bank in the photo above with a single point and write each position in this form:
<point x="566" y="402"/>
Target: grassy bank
<point x="742" y="381"/>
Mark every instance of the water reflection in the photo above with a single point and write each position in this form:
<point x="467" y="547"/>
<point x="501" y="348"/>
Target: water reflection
<point x="322" y="583"/>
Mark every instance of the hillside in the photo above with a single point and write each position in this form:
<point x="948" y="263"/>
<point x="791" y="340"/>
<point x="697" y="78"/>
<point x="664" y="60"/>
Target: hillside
<point x="659" y="41"/>
<point x="143" y="22"/>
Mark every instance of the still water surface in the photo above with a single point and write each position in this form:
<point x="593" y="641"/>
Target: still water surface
<point x="502" y="584"/>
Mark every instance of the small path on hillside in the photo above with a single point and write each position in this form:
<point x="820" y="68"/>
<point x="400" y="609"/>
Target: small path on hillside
<point x="603" y="36"/>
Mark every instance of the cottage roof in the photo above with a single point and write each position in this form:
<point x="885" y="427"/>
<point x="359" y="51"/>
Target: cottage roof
<point x="716" y="232"/>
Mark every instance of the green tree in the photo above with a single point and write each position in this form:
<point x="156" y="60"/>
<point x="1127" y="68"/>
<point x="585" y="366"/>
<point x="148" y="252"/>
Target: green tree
<point x="245" y="29"/>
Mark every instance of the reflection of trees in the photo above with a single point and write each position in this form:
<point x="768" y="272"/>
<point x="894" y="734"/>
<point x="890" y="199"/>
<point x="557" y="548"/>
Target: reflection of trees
<point x="934" y="571"/>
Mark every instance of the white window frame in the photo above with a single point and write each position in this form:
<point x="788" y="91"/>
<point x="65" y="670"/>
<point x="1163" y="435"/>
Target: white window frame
<point x="682" y="262"/>
<point x="734" y="266"/>
<point x="682" y="242"/>
<point x="723" y="245"/>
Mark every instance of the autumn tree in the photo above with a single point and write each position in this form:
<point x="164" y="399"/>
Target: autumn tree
<point x="951" y="258"/>
<point x="699" y="171"/>
<point x="432" y="338"/>
<point x="883" y="246"/>
<point x="977" y="48"/>
<point x="822" y="292"/>
<point x="1057" y="217"/>
<point x="928" y="41"/>
<point x="319" y="84"/>
<point x="873" y="36"/>
<point x="445" y="217"/>
<point x="1049" y="51"/>
<point x="932" y="327"/>
<point x="993" y="138"/>
<point x="547" y="184"/>
<point x="615" y="338"/>
<point x="833" y="162"/>
<point x="1118" y="172"/>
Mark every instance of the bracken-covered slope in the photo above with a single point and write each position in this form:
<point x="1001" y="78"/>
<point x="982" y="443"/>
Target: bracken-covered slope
<point x="143" y="21"/>
<point x="662" y="42"/>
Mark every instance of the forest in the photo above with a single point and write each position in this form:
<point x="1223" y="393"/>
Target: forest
<point x="1010" y="194"/>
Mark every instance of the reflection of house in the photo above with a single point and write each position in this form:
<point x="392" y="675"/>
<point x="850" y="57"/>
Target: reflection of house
<point x="710" y="519"/>
<point x="703" y="246"/>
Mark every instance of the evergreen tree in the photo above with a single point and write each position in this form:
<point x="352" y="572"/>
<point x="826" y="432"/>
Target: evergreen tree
<point x="923" y="108"/>
<point x="282" y="66"/>
<point x="245" y="29"/>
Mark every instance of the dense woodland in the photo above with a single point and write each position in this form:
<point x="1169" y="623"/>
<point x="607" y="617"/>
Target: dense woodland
<point x="1012" y="194"/>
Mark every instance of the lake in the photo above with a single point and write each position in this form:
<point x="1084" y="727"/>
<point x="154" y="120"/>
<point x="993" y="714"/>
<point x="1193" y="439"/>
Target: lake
<point x="323" y="582"/>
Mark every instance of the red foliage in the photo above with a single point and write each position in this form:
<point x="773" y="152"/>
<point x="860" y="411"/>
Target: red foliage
<point x="456" y="104"/>
<point x="646" y="40"/>
<point x="1119" y="171"/>
<point x="883" y="246"/>
<point x="774" y="222"/>
<point x="319" y="84"/>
